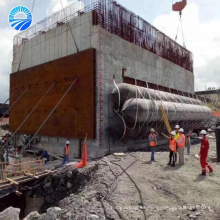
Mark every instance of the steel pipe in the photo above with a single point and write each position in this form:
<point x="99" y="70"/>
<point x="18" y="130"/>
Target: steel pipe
<point x="128" y="91"/>
<point x="143" y="109"/>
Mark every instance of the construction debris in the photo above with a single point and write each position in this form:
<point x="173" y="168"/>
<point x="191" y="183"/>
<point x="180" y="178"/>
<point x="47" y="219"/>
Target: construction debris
<point x="10" y="214"/>
<point x="131" y="188"/>
<point x="119" y="154"/>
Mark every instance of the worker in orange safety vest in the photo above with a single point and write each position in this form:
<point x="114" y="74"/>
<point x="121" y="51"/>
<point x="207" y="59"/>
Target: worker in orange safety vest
<point x="172" y="146"/>
<point x="66" y="153"/>
<point x="153" y="142"/>
<point x="181" y="143"/>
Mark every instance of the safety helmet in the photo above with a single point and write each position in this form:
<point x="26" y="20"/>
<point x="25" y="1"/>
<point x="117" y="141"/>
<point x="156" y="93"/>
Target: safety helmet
<point x="173" y="133"/>
<point x="203" y="132"/>
<point x="67" y="142"/>
<point x="152" y="130"/>
<point x="181" y="130"/>
<point x="177" y="127"/>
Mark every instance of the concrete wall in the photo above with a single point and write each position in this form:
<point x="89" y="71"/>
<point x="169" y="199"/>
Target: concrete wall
<point x="214" y="96"/>
<point x="143" y="65"/>
<point x="113" y="54"/>
<point x="54" y="44"/>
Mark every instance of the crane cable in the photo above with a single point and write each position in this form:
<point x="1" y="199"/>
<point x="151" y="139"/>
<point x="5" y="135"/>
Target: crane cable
<point x="180" y="26"/>
<point x="71" y="31"/>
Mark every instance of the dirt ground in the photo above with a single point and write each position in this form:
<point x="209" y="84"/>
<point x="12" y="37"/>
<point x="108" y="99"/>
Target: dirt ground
<point x="168" y="192"/>
<point x="145" y="190"/>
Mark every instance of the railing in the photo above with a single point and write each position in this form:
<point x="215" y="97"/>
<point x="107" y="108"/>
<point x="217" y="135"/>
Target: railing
<point x="72" y="11"/>
<point x="119" y="21"/>
<point x="19" y="168"/>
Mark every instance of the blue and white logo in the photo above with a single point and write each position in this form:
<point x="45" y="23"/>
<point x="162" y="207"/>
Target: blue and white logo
<point x="20" y="18"/>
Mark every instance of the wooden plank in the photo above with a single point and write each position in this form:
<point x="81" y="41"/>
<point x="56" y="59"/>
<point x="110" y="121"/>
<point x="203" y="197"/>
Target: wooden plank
<point x="31" y="175"/>
<point x="5" y="185"/>
<point x="119" y="154"/>
<point x="18" y="193"/>
<point x="49" y="171"/>
<point x="26" y="180"/>
<point x="12" y="181"/>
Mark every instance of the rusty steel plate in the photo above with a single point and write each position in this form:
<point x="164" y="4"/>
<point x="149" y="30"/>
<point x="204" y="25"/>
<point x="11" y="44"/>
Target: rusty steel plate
<point x="75" y="116"/>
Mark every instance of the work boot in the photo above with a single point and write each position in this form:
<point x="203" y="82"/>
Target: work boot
<point x="210" y="168"/>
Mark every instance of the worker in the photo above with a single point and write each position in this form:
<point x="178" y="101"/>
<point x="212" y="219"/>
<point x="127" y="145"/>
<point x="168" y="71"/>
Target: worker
<point x="177" y="134"/>
<point x="26" y="140"/>
<point x="204" y="153"/>
<point x="2" y="155"/>
<point x="181" y="142"/>
<point x="176" y="137"/>
<point x="172" y="146"/>
<point x="153" y="142"/>
<point x="188" y="143"/>
<point x="66" y="153"/>
<point x="45" y="156"/>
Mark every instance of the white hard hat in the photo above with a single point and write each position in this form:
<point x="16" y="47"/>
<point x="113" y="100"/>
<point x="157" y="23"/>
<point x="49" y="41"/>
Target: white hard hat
<point x="203" y="132"/>
<point x="177" y="127"/>
<point x="67" y="142"/>
<point x="152" y="130"/>
<point x="181" y="130"/>
<point x="173" y="133"/>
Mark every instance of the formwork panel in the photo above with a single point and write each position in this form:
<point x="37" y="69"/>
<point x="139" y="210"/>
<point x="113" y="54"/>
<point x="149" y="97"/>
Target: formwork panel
<point x="75" y="116"/>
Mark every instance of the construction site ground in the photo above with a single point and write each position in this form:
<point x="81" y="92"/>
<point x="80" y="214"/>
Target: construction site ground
<point x="144" y="190"/>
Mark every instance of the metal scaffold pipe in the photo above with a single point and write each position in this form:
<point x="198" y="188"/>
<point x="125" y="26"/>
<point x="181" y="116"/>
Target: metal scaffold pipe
<point x="7" y="99"/>
<point x="14" y="103"/>
<point x="38" y="103"/>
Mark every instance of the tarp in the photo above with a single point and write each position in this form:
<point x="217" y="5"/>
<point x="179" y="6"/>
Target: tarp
<point x="216" y="114"/>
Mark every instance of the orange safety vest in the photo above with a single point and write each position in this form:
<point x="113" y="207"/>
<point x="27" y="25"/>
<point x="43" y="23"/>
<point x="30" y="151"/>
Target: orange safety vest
<point x="183" y="141"/>
<point x="152" y="143"/>
<point x="172" y="145"/>
<point x="66" y="150"/>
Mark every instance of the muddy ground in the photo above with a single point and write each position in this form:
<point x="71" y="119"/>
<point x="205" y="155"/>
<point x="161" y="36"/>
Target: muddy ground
<point x="145" y="191"/>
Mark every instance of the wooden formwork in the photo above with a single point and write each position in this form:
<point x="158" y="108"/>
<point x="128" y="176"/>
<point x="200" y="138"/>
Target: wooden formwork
<point x="9" y="171"/>
<point x="18" y="173"/>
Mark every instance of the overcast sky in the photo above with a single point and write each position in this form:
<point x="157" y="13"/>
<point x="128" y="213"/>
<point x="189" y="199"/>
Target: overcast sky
<point x="201" y="25"/>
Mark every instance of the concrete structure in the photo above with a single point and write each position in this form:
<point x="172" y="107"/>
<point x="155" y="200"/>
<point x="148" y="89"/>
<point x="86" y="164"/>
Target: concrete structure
<point x="210" y="95"/>
<point x="113" y="54"/>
